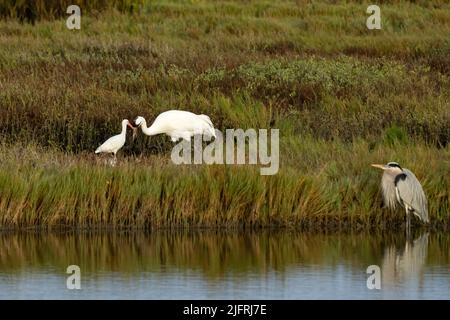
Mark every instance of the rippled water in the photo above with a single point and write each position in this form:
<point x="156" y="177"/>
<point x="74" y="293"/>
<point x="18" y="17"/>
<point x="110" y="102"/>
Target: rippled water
<point x="224" y="265"/>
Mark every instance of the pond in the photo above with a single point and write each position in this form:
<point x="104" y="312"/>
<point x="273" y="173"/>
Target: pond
<point x="215" y="264"/>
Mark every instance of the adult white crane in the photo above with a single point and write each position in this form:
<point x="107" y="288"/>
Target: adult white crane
<point x="178" y="124"/>
<point x="115" y="143"/>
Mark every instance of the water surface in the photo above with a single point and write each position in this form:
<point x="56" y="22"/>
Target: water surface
<point x="223" y="265"/>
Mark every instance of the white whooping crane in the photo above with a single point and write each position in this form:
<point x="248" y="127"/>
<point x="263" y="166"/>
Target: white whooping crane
<point x="115" y="143"/>
<point x="178" y="124"/>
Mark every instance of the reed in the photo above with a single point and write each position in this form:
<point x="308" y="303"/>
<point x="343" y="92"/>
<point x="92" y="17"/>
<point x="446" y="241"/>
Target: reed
<point x="323" y="187"/>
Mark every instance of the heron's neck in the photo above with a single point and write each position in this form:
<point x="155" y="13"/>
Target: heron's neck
<point x="388" y="187"/>
<point x="150" y="131"/>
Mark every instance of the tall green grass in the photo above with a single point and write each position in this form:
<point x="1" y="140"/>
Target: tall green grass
<point x="331" y="185"/>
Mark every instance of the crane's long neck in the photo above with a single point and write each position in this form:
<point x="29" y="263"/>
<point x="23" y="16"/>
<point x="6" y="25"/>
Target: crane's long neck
<point x="124" y="130"/>
<point x="150" y="131"/>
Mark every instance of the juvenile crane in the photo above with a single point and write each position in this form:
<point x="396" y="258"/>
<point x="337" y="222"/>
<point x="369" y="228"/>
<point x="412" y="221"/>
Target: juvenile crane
<point x="400" y="186"/>
<point x="115" y="143"/>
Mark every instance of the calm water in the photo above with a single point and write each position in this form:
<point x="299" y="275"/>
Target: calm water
<point x="224" y="265"/>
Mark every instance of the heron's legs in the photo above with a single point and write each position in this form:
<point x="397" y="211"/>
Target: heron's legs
<point x="408" y="223"/>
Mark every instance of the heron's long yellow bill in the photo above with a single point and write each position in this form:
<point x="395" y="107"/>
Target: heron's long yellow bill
<point x="379" y="166"/>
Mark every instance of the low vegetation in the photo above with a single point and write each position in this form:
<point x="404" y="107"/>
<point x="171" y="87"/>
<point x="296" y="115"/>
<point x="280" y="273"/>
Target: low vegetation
<point x="342" y="96"/>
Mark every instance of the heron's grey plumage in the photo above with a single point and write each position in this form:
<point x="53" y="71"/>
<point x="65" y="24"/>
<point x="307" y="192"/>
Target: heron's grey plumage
<point x="388" y="190"/>
<point x="411" y="193"/>
<point x="403" y="188"/>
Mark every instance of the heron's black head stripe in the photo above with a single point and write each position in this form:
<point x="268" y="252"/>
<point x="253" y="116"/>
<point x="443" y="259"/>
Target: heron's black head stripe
<point x="394" y="165"/>
<point x="401" y="176"/>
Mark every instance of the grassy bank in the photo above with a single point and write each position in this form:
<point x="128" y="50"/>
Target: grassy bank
<point x="332" y="186"/>
<point x="342" y="96"/>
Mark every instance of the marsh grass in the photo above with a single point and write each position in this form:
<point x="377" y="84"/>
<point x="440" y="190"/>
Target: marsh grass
<point x="34" y="10"/>
<point x="327" y="188"/>
<point x="342" y="97"/>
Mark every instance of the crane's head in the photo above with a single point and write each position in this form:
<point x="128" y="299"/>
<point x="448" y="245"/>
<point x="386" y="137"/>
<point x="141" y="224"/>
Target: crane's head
<point x="126" y="122"/>
<point x="139" y="121"/>
<point x="392" y="167"/>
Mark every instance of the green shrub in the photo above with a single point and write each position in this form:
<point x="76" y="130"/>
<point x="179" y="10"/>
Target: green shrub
<point x="395" y="135"/>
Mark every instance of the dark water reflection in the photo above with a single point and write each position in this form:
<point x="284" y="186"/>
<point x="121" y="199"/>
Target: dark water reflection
<point x="228" y="265"/>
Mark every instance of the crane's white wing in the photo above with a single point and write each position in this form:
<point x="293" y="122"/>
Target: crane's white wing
<point x="412" y="194"/>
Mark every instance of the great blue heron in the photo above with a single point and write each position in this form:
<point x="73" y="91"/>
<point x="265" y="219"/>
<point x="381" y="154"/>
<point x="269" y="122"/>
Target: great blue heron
<point x="400" y="186"/>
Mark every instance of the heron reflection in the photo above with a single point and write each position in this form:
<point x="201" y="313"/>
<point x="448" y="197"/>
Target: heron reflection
<point x="405" y="264"/>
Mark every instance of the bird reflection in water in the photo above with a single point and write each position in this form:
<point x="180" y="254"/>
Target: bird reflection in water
<point x="405" y="265"/>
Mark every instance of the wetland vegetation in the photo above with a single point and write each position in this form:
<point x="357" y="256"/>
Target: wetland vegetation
<point x="341" y="95"/>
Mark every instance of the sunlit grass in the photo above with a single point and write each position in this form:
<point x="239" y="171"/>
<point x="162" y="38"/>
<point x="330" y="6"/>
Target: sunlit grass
<point x="324" y="185"/>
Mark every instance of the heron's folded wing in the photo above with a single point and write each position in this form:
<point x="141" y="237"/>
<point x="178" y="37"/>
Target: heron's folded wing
<point x="412" y="194"/>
